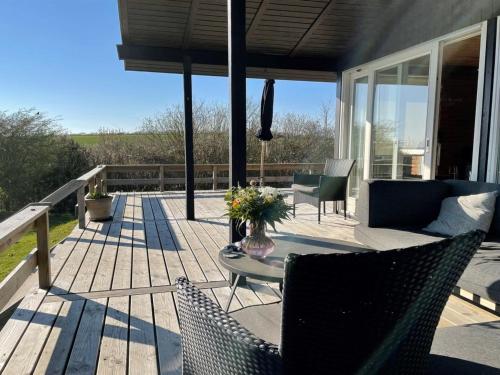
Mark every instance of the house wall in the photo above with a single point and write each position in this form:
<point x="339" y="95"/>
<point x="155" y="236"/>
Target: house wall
<point x="408" y="23"/>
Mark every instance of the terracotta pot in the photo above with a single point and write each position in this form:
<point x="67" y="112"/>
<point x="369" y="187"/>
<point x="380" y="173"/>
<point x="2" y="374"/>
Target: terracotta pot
<point x="99" y="209"/>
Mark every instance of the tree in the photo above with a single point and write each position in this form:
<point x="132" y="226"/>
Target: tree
<point x="35" y="158"/>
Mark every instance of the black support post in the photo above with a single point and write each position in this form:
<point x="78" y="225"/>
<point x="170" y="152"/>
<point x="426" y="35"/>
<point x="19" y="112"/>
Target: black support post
<point x="489" y="71"/>
<point x="237" y="101"/>
<point x="188" y="139"/>
<point x="338" y="111"/>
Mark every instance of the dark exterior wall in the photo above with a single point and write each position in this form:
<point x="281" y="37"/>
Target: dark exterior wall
<point x="407" y="23"/>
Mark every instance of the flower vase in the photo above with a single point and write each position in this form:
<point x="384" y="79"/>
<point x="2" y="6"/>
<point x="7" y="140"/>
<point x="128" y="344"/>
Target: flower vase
<point x="257" y="244"/>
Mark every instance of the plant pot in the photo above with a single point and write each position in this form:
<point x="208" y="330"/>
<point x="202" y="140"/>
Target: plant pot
<point x="257" y="244"/>
<point x="99" y="209"/>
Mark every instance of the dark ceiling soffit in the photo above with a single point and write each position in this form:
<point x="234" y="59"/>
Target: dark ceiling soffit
<point x="165" y="54"/>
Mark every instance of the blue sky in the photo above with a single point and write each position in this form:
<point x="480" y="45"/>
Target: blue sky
<point x="59" y="56"/>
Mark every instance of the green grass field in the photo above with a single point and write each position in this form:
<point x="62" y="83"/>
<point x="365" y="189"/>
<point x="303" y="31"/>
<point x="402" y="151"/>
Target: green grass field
<point x="61" y="226"/>
<point x="92" y="139"/>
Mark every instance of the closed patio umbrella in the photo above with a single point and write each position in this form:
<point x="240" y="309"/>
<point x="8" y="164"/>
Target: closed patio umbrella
<point x="266" y="121"/>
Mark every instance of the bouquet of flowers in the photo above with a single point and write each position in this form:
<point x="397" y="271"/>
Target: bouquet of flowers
<point x="259" y="206"/>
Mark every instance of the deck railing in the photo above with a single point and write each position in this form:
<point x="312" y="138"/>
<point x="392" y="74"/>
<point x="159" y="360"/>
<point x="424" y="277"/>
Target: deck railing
<point x="36" y="215"/>
<point x="215" y="174"/>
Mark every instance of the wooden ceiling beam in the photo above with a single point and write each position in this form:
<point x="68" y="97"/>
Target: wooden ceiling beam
<point x="310" y="31"/>
<point x="188" y="31"/>
<point x="123" y="15"/>
<point x="173" y="55"/>
<point x="256" y="18"/>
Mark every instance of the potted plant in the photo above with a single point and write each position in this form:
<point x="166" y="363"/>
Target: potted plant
<point x="98" y="203"/>
<point x="258" y="206"/>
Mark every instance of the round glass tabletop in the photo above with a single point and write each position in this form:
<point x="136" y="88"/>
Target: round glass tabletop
<point x="271" y="268"/>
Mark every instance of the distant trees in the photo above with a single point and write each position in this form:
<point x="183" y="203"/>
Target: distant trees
<point x="35" y="158"/>
<point x="297" y="138"/>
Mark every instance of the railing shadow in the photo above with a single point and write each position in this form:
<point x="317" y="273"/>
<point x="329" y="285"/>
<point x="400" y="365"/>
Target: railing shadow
<point x="61" y="354"/>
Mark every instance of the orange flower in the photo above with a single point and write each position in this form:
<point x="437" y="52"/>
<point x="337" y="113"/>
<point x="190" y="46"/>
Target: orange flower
<point x="236" y="203"/>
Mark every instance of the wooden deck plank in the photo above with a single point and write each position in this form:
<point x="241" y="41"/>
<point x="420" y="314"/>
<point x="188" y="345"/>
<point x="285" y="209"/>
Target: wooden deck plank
<point x="19" y="321"/>
<point x="167" y="334"/>
<point x="474" y="313"/>
<point x="245" y="295"/>
<point x="189" y="262"/>
<point x="14" y="329"/>
<point x="85" y="276"/>
<point x="124" y="315"/>
<point x="217" y="272"/>
<point x="104" y="273"/>
<point x="210" y="268"/>
<point x="147" y="210"/>
<point x="62" y="251"/>
<point x="58" y="346"/>
<point x="123" y="265"/>
<point x="120" y="206"/>
<point x="213" y="239"/>
<point x="63" y="281"/>
<point x="142" y="345"/>
<point x="157" y="267"/>
<point x="173" y="261"/>
<point x="140" y="263"/>
<point x="95" y="269"/>
<point x="212" y="248"/>
<point x="113" y="354"/>
<point x="25" y="357"/>
<point x="85" y="351"/>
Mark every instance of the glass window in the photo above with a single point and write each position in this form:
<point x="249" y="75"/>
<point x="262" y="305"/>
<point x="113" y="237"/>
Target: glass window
<point x="357" y="132"/>
<point x="399" y="120"/>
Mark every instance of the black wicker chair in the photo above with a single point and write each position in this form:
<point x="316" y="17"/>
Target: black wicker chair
<point x="364" y="313"/>
<point x="330" y="186"/>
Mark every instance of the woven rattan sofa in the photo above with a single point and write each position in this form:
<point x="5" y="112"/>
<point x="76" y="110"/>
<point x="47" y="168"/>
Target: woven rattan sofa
<point x="364" y="313"/>
<point x="331" y="186"/>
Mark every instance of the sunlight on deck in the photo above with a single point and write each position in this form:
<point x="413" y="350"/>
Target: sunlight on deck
<point x="112" y="305"/>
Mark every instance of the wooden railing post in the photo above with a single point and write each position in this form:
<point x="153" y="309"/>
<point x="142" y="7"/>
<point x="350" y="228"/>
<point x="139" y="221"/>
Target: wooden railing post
<point x="92" y="183"/>
<point x="80" y="198"/>
<point x="162" y="178"/>
<point x="104" y="184"/>
<point x="43" y="255"/>
<point x="215" y="172"/>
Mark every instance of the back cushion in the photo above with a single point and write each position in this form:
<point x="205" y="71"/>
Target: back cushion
<point x="400" y="203"/>
<point x="458" y="188"/>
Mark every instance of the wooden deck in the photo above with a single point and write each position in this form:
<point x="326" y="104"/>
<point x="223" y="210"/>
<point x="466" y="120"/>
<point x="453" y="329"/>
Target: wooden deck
<point x="112" y="306"/>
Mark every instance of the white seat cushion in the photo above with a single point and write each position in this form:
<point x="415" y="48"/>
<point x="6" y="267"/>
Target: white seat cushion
<point x="305" y="188"/>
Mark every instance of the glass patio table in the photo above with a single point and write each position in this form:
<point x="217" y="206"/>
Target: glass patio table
<point x="271" y="268"/>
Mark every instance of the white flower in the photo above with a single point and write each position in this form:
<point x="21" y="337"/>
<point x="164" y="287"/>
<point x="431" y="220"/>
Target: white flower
<point x="268" y="190"/>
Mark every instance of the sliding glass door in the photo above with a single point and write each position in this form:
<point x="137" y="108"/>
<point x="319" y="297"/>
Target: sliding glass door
<point x="357" y="126"/>
<point x="398" y="137"/>
<point x="392" y="114"/>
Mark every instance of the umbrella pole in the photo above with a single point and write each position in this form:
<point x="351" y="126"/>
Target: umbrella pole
<point x="262" y="154"/>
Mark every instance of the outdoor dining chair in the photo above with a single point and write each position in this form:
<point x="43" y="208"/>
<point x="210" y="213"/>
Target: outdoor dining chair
<point x="359" y="313"/>
<point x="331" y="186"/>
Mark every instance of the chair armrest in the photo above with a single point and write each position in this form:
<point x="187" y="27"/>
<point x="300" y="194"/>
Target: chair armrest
<point x="332" y="188"/>
<point x="306" y="179"/>
<point x="214" y="343"/>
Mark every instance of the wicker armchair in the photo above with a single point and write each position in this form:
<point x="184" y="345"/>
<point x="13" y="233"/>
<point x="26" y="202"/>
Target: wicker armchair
<point x="363" y="313"/>
<point x="330" y="186"/>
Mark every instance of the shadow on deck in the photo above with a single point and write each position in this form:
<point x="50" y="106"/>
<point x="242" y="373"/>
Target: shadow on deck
<point x="112" y="304"/>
